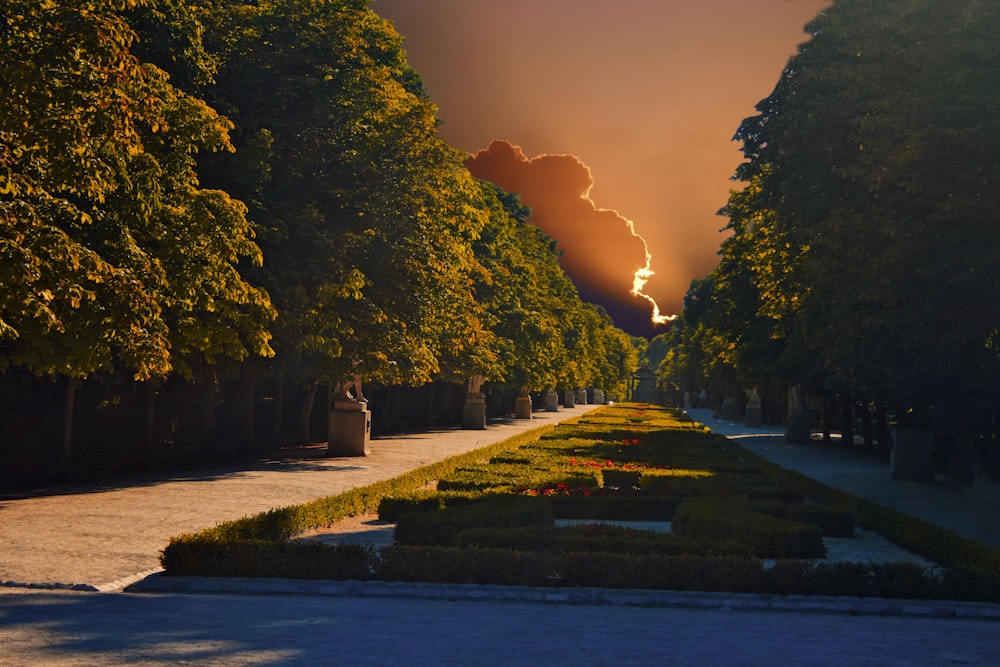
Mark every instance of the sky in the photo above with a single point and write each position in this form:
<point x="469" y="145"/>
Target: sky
<point x="612" y="118"/>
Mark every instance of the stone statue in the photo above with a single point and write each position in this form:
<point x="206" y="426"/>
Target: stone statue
<point x="350" y="390"/>
<point x="475" y="386"/>
<point x="795" y="399"/>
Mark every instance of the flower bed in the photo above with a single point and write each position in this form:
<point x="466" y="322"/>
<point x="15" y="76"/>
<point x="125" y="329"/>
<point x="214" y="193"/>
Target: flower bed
<point x="491" y="519"/>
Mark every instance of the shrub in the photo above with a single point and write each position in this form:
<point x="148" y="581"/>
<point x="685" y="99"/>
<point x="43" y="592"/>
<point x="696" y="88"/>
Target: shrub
<point x="596" y="537"/>
<point x="258" y="558"/>
<point x="441" y="528"/>
<point x="727" y="505"/>
<point x="831" y="521"/>
<point x="730" y="518"/>
<point x="437" y="564"/>
<point x="390" y="508"/>
<point x="619" y="508"/>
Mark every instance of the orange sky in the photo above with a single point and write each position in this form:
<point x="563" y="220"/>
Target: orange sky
<point x="645" y="93"/>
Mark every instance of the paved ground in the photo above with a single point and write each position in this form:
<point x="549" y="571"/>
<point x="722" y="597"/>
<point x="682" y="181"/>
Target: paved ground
<point x="107" y="536"/>
<point x="102" y="536"/>
<point x="973" y="511"/>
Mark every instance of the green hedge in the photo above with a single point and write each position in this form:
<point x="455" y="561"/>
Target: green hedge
<point x="941" y="545"/>
<point x="831" y="521"/>
<point x="667" y="572"/>
<point x="618" y="508"/>
<point x="596" y="537"/>
<point x="730" y="518"/>
<point x="443" y="527"/>
<point x="746" y="505"/>
<point x="280" y="524"/>
<point x="206" y="557"/>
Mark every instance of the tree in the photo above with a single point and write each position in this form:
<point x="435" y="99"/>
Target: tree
<point x="114" y="256"/>
<point x="520" y="293"/>
<point x="365" y="216"/>
<point x="866" y="225"/>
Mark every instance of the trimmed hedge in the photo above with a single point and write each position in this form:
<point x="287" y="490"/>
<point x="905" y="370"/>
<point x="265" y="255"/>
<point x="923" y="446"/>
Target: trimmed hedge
<point x="508" y="567"/>
<point x="597" y="537"/>
<point x="443" y="527"/>
<point x="279" y="524"/>
<point x="617" y="508"/>
<point x="764" y="510"/>
<point x="831" y="521"/>
<point x="730" y="518"/>
<point x="206" y="557"/>
<point x="941" y="545"/>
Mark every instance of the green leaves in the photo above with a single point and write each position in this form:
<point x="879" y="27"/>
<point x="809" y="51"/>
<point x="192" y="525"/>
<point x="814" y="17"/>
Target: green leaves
<point x="113" y="255"/>
<point x="868" y="219"/>
<point x="321" y="220"/>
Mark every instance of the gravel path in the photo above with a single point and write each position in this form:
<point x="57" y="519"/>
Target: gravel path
<point x="106" y="536"/>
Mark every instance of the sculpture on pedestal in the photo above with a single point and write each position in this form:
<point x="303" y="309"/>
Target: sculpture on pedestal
<point x="350" y="390"/>
<point x="474" y="411"/>
<point x="474" y="387"/>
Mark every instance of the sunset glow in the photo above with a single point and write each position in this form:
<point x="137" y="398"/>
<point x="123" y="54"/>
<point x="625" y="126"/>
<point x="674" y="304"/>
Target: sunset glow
<point x="646" y="93"/>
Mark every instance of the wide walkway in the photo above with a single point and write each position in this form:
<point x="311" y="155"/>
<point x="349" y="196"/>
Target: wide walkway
<point x="972" y="511"/>
<point x="104" y="537"/>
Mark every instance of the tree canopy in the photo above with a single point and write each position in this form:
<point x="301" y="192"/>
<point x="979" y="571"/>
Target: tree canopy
<point x="865" y="243"/>
<point x="198" y="190"/>
<point x="112" y="256"/>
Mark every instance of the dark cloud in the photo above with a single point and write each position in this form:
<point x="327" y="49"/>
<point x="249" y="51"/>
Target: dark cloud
<point x="601" y="252"/>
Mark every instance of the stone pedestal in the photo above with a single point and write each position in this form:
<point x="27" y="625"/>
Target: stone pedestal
<point x="349" y="429"/>
<point x="581" y="396"/>
<point x="551" y="401"/>
<point x="522" y="407"/>
<point x="474" y="414"/>
<point x="599" y="397"/>
<point x="753" y="416"/>
<point x="569" y="399"/>
<point x="799" y="427"/>
<point x="730" y="412"/>
<point x="912" y="455"/>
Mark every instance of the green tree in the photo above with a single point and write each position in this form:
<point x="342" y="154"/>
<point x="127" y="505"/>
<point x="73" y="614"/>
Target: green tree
<point x="365" y="216"/>
<point x="114" y="257"/>
<point x="866" y="227"/>
<point x="522" y="293"/>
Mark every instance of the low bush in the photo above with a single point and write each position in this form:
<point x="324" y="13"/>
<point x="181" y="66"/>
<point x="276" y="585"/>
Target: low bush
<point x="390" y="508"/>
<point x="509" y="477"/>
<point x="617" y="508"/>
<point x="594" y="538"/>
<point x="730" y="518"/>
<point x="443" y="527"/>
<point x="436" y="564"/>
<point x="725" y="504"/>
<point x="203" y="557"/>
<point x="832" y="521"/>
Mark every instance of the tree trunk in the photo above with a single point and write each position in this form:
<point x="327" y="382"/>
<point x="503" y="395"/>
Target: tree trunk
<point x="66" y="455"/>
<point x="306" y="412"/>
<point x="825" y="420"/>
<point x="847" y="417"/>
<point x="208" y="431"/>
<point x="866" y="425"/>
<point x="148" y="392"/>
<point x="248" y="385"/>
<point x="882" y="428"/>
<point x="279" y="410"/>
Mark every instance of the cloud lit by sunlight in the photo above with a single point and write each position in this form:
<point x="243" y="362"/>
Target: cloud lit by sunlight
<point x="603" y="254"/>
<point x="642" y="276"/>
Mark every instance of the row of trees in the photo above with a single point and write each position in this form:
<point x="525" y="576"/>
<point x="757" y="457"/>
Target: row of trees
<point x="865" y="249"/>
<point x="198" y="197"/>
